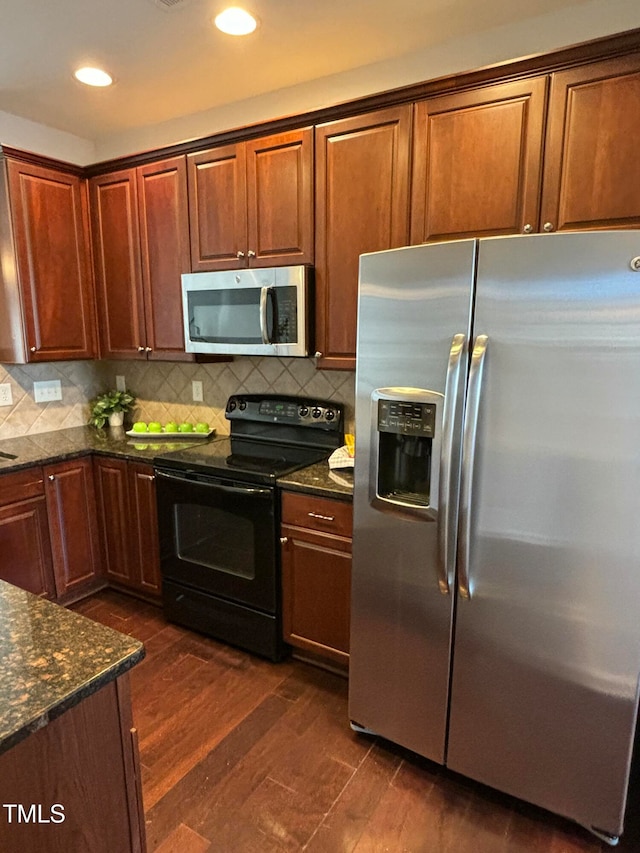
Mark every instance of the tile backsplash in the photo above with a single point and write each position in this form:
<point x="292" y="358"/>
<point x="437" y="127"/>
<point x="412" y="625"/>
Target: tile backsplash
<point x="163" y="389"/>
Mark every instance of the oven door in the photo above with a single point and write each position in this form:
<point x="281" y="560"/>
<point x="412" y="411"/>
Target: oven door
<point x="218" y="536"/>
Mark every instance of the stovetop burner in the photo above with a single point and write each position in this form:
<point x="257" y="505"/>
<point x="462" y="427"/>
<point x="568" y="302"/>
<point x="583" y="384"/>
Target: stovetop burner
<point x="271" y="436"/>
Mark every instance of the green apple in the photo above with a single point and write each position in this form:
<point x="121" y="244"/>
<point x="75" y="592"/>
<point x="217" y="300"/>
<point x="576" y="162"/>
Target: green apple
<point x="139" y="426"/>
<point x="155" y="426"/>
<point x="185" y="427"/>
<point x="201" y="426"/>
<point x="172" y="426"/>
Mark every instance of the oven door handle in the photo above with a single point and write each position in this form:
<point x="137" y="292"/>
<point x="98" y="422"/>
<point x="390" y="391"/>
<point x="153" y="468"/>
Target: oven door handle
<point x="233" y="490"/>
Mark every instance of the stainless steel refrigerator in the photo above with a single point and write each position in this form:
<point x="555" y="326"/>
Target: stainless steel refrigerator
<point x="496" y="553"/>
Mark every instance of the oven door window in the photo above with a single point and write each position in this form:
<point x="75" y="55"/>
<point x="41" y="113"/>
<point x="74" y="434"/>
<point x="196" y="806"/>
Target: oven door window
<point x="219" y="537"/>
<point x="215" y="538"/>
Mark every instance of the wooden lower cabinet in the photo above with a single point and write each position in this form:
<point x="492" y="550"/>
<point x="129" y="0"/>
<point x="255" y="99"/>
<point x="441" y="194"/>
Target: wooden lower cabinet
<point x="85" y="763"/>
<point x="125" y="494"/>
<point x="73" y="528"/>
<point x="25" y="549"/>
<point x="316" y="575"/>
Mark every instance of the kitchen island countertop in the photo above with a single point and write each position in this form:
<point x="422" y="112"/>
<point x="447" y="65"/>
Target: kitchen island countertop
<point x="50" y="660"/>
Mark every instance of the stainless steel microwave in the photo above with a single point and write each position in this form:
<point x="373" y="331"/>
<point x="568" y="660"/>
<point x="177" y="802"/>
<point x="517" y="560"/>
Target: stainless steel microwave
<point x="247" y="312"/>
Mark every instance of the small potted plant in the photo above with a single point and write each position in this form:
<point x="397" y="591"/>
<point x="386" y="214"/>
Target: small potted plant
<point x="112" y="407"/>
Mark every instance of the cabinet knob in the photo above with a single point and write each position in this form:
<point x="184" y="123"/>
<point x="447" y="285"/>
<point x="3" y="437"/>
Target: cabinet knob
<point x="148" y="349"/>
<point x="528" y="228"/>
<point x="284" y="540"/>
<point x="34" y="349"/>
<point x="251" y="253"/>
<point x="52" y="476"/>
<point x="140" y="349"/>
<point x="240" y="254"/>
<point x="548" y="226"/>
<point x="318" y="355"/>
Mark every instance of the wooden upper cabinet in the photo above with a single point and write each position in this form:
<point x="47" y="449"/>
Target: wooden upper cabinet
<point x="251" y="204"/>
<point x="477" y="162"/>
<point x="164" y="248"/>
<point x="280" y="199"/>
<point x="362" y="205"/>
<point x="592" y="167"/>
<point x="116" y="257"/>
<point x="217" y="208"/>
<point x="46" y="307"/>
<point x="141" y="247"/>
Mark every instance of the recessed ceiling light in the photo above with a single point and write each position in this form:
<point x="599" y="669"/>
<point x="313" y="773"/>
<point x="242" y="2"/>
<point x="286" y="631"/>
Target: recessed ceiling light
<point x="93" y="76"/>
<point x="235" y="22"/>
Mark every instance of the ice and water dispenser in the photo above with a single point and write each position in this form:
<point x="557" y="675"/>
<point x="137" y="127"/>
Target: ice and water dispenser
<point x="406" y="451"/>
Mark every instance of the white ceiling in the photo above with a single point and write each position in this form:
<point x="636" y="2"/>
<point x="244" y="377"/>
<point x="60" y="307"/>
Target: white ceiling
<point x="170" y="61"/>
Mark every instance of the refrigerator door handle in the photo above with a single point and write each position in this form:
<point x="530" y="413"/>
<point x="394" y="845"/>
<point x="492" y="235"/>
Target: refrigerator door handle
<point x="468" y="458"/>
<point x="446" y="559"/>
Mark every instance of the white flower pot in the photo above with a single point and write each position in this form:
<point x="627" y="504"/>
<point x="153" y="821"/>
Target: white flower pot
<point x="116" y="419"/>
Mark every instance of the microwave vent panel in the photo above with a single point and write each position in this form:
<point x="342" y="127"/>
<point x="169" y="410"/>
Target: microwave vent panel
<point x="170" y="5"/>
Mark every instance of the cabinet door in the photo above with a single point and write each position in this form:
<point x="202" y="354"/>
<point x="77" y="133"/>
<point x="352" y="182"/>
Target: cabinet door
<point x="362" y="205"/>
<point x="25" y="550"/>
<point x="71" y="505"/>
<point x="477" y="162"/>
<point x="144" y="537"/>
<point x="112" y="494"/>
<point x="592" y="167"/>
<point x="116" y="257"/>
<point x="164" y="247"/>
<point x="218" y="208"/>
<point x="316" y="590"/>
<point x="280" y="199"/>
<point x="51" y="233"/>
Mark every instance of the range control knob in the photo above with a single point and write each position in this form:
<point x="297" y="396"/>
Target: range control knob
<point x="330" y="415"/>
<point x="242" y="405"/>
<point x="232" y="405"/>
<point x="303" y="411"/>
<point x="316" y="412"/>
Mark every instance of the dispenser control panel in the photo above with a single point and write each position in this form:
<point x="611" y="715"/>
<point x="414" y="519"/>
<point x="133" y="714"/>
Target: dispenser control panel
<point x="407" y="418"/>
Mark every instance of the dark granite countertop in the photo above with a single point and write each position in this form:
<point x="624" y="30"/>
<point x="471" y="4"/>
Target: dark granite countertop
<point x="59" y="445"/>
<point x="51" y="659"/>
<point x="319" y="480"/>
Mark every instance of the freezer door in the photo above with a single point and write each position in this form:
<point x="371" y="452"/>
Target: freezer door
<point x="414" y="322"/>
<point x="547" y="641"/>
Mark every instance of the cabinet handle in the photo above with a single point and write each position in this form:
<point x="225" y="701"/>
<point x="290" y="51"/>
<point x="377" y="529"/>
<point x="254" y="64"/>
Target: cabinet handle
<point x="548" y="226"/>
<point x="140" y="349"/>
<point x="34" y="349"/>
<point x="148" y="349"/>
<point x="528" y="228"/>
<point x="321" y="517"/>
<point x="240" y="254"/>
<point x="318" y="355"/>
<point x="284" y="540"/>
<point x="251" y="253"/>
<point x="52" y="476"/>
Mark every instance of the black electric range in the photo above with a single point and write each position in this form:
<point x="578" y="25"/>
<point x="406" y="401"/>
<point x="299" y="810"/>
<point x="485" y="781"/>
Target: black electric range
<point x="218" y="514"/>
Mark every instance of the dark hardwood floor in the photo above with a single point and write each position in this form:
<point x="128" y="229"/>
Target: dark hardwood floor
<point x="239" y="754"/>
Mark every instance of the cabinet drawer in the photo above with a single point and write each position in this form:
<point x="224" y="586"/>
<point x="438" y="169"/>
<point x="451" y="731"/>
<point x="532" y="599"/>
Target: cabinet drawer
<point x="325" y="514"/>
<point x="21" y="486"/>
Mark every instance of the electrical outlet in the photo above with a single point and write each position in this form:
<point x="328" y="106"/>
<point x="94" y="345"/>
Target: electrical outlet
<point x="6" y="397"/>
<point x="121" y="385"/>
<point x="196" y="388"/>
<point x="48" y="391"/>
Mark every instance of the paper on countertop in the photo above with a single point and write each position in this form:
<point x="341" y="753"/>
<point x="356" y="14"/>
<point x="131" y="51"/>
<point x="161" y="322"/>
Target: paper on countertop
<point x="343" y="457"/>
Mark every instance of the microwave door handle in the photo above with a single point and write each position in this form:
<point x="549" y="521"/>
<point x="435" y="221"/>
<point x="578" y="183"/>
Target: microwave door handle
<point x="468" y="458"/>
<point x="265" y="293"/>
